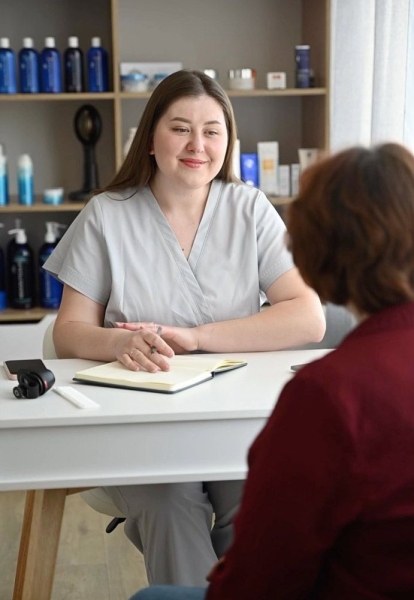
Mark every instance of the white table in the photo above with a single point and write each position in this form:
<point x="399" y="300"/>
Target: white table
<point x="199" y="434"/>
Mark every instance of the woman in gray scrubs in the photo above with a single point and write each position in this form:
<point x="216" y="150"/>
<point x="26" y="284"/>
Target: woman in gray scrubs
<point x="176" y="254"/>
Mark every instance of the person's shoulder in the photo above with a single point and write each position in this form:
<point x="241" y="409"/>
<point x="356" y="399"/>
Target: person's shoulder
<point x="117" y="195"/>
<point x="107" y="201"/>
<point x="338" y="372"/>
<point x="240" y="191"/>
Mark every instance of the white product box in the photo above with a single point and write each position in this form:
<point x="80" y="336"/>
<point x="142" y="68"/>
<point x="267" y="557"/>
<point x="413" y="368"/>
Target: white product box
<point x="276" y="80"/>
<point x="284" y="181"/>
<point x="294" y="179"/>
<point x="307" y="157"/>
<point x="268" y="155"/>
<point x="236" y="159"/>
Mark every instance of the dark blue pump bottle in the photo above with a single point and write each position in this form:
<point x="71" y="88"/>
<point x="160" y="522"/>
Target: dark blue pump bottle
<point x="7" y="68"/>
<point x="20" y="270"/>
<point x="50" y="288"/>
<point x="97" y="67"/>
<point x="50" y="68"/>
<point x="73" y="64"/>
<point x="3" y="297"/>
<point x="29" y="68"/>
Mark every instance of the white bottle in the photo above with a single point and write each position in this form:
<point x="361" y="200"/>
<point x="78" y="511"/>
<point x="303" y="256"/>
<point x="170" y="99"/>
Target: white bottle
<point x="25" y="180"/>
<point x="128" y="143"/>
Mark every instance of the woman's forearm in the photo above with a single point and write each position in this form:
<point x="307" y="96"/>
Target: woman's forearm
<point x="283" y="325"/>
<point x="82" y="340"/>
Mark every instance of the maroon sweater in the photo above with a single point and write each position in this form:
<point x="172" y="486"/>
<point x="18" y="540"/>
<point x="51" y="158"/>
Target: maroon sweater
<point x="328" y="507"/>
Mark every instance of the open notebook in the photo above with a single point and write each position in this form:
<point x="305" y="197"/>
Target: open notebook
<point x="185" y="372"/>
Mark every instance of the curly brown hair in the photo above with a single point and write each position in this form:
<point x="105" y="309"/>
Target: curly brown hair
<point x="351" y="229"/>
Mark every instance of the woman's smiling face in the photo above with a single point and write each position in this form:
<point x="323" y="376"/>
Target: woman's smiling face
<point x="190" y="142"/>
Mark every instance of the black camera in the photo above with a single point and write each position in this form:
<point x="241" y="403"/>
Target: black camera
<point x="33" y="384"/>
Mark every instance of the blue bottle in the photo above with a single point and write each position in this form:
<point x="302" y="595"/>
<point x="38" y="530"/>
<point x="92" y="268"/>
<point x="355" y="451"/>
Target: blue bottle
<point x="7" y="68"/>
<point x="50" y="288"/>
<point x="28" y="68"/>
<point x="73" y="63"/>
<point x="3" y="296"/>
<point x="25" y="180"/>
<point x="302" y="59"/>
<point x="4" y="186"/>
<point x="20" y="270"/>
<point x="97" y="67"/>
<point x="50" y="68"/>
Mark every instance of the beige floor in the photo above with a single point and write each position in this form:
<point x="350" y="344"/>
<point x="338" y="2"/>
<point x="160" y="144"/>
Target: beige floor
<point x="91" y="564"/>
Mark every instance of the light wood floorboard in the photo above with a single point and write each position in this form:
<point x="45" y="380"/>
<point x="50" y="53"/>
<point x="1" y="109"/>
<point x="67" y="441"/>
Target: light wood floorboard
<point x="91" y="564"/>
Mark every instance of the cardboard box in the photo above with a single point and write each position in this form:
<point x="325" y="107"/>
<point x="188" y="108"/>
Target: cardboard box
<point x="294" y="179"/>
<point x="268" y="155"/>
<point x="284" y="181"/>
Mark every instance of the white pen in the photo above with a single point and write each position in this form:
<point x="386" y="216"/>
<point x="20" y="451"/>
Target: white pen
<point x="75" y="397"/>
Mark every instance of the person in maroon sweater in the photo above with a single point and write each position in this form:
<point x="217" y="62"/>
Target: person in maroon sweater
<point x="328" y="505"/>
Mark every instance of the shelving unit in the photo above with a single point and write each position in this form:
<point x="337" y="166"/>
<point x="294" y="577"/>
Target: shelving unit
<point x="39" y="207"/>
<point x="218" y="34"/>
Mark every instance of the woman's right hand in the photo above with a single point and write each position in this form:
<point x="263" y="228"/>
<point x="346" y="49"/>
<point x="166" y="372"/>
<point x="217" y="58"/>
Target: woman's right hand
<point x="144" y="349"/>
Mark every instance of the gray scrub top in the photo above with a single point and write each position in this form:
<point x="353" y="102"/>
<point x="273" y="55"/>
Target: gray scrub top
<point x="121" y="252"/>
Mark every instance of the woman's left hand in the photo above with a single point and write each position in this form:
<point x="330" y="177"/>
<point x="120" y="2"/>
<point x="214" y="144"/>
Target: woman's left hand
<point x="181" y="339"/>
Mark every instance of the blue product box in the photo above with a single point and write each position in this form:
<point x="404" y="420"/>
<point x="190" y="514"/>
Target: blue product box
<point x="302" y="59"/>
<point x="249" y="169"/>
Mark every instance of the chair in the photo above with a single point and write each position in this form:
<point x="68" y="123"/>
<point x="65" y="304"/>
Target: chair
<point x="97" y="498"/>
<point x="339" y="322"/>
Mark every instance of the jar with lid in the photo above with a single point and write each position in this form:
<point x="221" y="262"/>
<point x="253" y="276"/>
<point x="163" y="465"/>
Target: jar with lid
<point x="242" y="79"/>
<point x="213" y="73"/>
<point x="135" y="81"/>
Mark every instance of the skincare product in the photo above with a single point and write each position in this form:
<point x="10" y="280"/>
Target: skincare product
<point x="134" y="82"/>
<point x="236" y="159"/>
<point x="268" y="153"/>
<point x="73" y="64"/>
<point x="242" y="79"/>
<point x="307" y="157"/>
<point x="3" y="295"/>
<point x="25" y="180"/>
<point x="276" y="80"/>
<point x="294" y="179"/>
<point x="4" y="181"/>
<point x="128" y="143"/>
<point x="213" y="73"/>
<point x="50" y="69"/>
<point x="249" y="169"/>
<point x="50" y="288"/>
<point x="97" y="67"/>
<point x="302" y="59"/>
<point x="53" y="196"/>
<point x="29" y="68"/>
<point x="284" y="181"/>
<point x="20" y="270"/>
<point x="7" y="68"/>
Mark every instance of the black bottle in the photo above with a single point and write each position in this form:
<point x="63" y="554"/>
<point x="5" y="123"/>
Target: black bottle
<point x="21" y="271"/>
<point x="73" y="65"/>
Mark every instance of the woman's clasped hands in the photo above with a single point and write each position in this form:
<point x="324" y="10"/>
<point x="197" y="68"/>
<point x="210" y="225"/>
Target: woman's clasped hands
<point x="146" y="347"/>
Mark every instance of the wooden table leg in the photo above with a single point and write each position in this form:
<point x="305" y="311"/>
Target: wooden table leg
<point x="39" y="544"/>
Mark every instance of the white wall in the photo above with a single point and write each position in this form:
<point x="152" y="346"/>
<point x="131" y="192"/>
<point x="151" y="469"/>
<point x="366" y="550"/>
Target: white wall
<point x="23" y="341"/>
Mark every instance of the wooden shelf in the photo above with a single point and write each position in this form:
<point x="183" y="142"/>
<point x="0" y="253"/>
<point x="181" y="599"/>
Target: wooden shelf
<point x="40" y="207"/>
<point x="32" y="314"/>
<point x="320" y="91"/>
<point x="56" y="97"/>
<point x="280" y="201"/>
